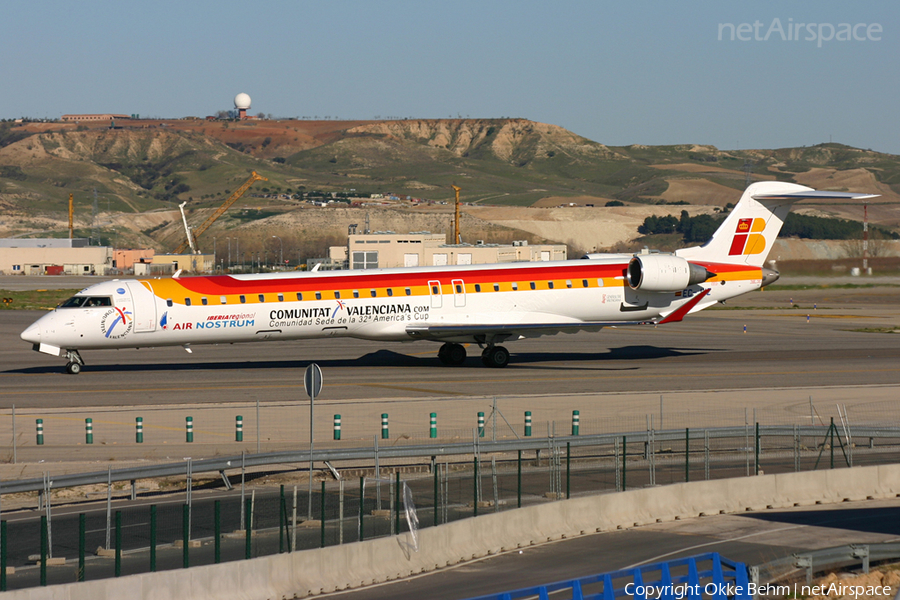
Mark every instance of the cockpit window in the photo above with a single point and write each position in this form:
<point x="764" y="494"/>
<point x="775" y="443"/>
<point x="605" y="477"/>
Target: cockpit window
<point x="74" y="302"/>
<point x="86" y="302"/>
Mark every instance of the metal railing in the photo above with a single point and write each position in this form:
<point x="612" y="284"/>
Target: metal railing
<point x="817" y="561"/>
<point x="702" y="576"/>
<point x="371" y="455"/>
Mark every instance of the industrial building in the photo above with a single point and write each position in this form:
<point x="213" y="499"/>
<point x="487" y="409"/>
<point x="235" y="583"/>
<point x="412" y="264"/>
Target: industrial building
<point x="164" y="264"/>
<point x="384" y="249"/>
<point x="52" y="256"/>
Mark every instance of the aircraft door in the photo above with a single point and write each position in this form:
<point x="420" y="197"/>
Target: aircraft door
<point x="144" y="306"/>
<point x="459" y="292"/>
<point x="434" y="288"/>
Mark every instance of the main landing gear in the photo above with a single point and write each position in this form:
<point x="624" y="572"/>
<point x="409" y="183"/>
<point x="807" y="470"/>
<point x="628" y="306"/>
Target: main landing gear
<point x="75" y="362"/>
<point x="491" y="356"/>
<point x="452" y="354"/>
<point x="495" y="356"/>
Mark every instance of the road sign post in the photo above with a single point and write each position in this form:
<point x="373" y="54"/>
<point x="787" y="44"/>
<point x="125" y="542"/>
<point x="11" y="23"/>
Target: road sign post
<point x="312" y="383"/>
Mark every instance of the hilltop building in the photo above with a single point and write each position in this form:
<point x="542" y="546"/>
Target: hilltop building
<point x="102" y="117"/>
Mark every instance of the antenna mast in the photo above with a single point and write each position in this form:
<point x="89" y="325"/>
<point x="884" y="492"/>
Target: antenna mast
<point x="456" y="236"/>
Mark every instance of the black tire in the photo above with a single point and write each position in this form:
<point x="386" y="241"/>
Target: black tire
<point x="73" y="368"/>
<point x="456" y="354"/>
<point x="443" y="354"/>
<point x="496" y="357"/>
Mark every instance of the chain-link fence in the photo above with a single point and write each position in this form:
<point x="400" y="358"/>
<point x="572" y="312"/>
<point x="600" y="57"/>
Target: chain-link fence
<point x="156" y="432"/>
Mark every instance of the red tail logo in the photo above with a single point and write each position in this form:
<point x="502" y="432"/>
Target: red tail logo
<point x="748" y="238"/>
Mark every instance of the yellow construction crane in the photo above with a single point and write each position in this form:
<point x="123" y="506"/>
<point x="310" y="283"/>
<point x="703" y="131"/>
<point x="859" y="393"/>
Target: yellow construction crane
<point x="456" y="237"/>
<point x="254" y="177"/>
<point x="71" y="214"/>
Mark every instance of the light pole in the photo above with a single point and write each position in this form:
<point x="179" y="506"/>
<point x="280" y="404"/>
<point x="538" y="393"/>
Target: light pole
<point x="280" y="251"/>
<point x="229" y="252"/>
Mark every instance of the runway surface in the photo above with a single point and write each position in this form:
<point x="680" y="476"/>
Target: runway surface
<point x="708" y="351"/>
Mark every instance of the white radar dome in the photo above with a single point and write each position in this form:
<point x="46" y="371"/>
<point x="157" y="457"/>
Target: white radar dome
<point x="242" y="101"/>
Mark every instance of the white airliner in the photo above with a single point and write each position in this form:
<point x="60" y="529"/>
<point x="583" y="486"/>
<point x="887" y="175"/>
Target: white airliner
<point x="482" y="304"/>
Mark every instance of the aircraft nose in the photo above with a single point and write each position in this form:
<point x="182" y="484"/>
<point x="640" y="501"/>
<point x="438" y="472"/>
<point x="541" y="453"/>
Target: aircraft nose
<point x="32" y="334"/>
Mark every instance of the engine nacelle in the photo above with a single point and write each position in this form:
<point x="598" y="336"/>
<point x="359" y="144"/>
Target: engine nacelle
<point x="664" y="273"/>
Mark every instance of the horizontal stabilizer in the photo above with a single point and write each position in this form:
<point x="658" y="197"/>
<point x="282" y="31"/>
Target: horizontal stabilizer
<point x="814" y="195"/>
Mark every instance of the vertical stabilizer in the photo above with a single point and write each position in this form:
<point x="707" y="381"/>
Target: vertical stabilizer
<point x="749" y="232"/>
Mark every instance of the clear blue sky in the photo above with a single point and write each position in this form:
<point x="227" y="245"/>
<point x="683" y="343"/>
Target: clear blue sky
<point x="647" y="72"/>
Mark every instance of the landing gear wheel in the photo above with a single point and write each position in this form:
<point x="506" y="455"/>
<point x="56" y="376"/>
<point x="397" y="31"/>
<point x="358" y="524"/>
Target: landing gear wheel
<point x="495" y="356"/>
<point x="442" y="354"/>
<point x="75" y="362"/>
<point x="452" y="354"/>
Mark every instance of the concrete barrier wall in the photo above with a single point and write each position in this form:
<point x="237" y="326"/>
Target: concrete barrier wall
<point x="312" y="572"/>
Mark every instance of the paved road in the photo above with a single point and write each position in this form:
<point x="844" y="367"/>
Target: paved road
<point x="752" y="538"/>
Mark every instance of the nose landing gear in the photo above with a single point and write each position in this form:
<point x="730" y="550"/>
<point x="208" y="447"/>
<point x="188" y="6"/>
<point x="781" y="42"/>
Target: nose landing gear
<point x="75" y="362"/>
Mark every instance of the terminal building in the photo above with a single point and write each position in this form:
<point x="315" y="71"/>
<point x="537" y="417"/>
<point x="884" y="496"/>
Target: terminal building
<point x="385" y="249"/>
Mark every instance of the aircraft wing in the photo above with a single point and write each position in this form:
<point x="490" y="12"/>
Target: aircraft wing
<point x="504" y="331"/>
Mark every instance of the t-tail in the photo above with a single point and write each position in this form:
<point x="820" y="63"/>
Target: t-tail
<point x="747" y="235"/>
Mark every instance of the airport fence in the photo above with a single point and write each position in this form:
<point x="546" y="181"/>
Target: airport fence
<point x="183" y="514"/>
<point x="160" y="432"/>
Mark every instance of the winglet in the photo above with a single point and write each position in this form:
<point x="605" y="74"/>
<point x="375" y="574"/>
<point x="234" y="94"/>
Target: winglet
<point x="682" y="311"/>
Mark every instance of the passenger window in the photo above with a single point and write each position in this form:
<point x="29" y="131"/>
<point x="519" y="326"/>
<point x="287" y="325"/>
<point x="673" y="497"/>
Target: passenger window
<point x="584" y="283"/>
<point x="496" y="287"/>
<point x="550" y="285"/>
<point x="281" y="297"/>
<point x="204" y="301"/>
<point x="169" y="302"/>
<point x="243" y="299"/>
<point x="568" y="283"/>
<point x="533" y="286"/>
<point x="262" y="297"/>
<point x="408" y="292"/>
<point x="318" y="295"/>
<point x="299" y="296"/>
<point x="223" y="299"/>
<point x="390" y="291"/>
<point x="434" y="289"/>
<point x="458" y="289"/>
<point x="356" y="293"/>
<point x="515" y="286"/>
<point x="187" y="301"/>
<point x="477" y="287"/>
<point x="337" y="295"/>
<point x="599" y="283"/>
<point x="374" y="293"/>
